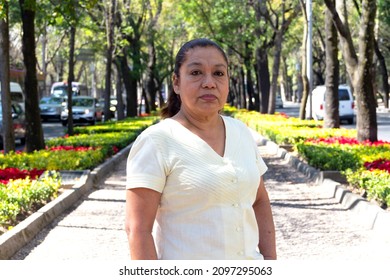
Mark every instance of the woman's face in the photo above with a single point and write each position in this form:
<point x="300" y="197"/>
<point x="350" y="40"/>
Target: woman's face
<point x="203" y="84"/>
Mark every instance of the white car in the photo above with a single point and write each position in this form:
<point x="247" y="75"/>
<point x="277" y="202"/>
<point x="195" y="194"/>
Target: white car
<point x="85" y="109"/>
<point x="346" y="103"/>
<point x="51" y="107"/>
<point x="19" y="123"/>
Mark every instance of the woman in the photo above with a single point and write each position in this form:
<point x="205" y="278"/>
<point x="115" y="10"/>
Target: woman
<point x="198" y="174"/>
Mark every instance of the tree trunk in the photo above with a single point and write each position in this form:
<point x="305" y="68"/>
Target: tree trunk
<point x="120" y="106"/>
<point x="363" y="83"/>
<point x="264" y="79"/>
<point x="150" y="84"/>
<point x="305" y="82"/>
<point x="384" y="75"/>
<point x="8" y="140"/>
<point x="130" y="86"/>
<point x="34" y="131"/>
<point x="242" y="89"/>
<point x="286" y="81"/>
<point x="249" y="88"/>
<point x="249" y="78"/>
<point x="332" y="117"/>
<point x="110" y="24"/>
<point x="278" y="41"/>
<point x="72" y="39"/>
<point x="360" y="67"/>
<point x="275" y="71"/>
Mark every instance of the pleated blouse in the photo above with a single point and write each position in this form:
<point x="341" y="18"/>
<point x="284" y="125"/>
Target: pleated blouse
<point x="205" y="211"/>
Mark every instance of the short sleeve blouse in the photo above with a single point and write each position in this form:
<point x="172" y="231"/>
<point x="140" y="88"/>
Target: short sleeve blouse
<point x="206" y="209"/>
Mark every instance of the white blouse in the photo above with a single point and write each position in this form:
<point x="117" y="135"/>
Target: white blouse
<point x="206" y="204"/>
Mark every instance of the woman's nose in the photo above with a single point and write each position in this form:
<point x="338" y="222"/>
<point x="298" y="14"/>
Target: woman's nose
<point x="208" y="81"/>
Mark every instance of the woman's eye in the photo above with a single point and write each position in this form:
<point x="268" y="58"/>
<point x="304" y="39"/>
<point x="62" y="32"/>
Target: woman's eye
<point x="219" y="73"/>
<point x="195" y="72"/>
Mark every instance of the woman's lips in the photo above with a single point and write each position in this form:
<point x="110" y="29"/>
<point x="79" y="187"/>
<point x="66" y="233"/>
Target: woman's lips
<point x="208" y="97"/>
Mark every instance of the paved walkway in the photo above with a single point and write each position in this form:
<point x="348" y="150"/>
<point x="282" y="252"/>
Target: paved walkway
<point x="310" y="224"/>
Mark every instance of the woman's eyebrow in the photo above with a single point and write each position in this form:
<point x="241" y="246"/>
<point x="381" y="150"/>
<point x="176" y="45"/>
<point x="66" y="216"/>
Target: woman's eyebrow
<point x="200" y="64"/>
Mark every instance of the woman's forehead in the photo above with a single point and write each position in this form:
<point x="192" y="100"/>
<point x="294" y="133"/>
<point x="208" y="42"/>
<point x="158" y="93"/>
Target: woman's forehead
<point x="198" y="55"/>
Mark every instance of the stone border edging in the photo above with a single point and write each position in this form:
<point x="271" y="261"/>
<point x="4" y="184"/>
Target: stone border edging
<point x="14" y="239"/>
<point x="373" y="217"/>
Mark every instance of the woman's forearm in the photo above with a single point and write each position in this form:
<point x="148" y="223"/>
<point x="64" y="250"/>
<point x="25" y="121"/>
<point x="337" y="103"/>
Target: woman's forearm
<point x="265" y="223"/>
<point x="267" y="243"/>
<point x="142" y="246"/>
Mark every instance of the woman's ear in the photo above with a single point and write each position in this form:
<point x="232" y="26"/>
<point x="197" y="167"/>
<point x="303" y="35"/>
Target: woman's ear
<point x="175" y="83"/>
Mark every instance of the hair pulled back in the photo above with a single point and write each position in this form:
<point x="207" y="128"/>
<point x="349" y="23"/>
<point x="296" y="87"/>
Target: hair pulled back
<point x="173" y="103"/>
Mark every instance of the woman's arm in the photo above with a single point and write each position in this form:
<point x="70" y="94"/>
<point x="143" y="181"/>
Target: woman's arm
<point x="141" y="209"/>
<point x="265" y="222"/>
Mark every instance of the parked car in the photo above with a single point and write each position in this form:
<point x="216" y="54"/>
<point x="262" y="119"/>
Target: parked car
<point x="51" y="107"/>
<point x="19" y="123"/>
<point x="85" y="109"/>
<point x="61" y="89"/>
<point x="113" y="105"/>
<point x="16" y="92"/>
<point x="278" y="102"/>
<point x="346" y="103"/>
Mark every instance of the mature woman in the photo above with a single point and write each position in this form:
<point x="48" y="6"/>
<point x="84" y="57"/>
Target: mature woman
<point x="194" y="180"/>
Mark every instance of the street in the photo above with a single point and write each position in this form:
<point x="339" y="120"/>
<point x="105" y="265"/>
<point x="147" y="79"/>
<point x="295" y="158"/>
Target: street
<point x="52" y="129"/>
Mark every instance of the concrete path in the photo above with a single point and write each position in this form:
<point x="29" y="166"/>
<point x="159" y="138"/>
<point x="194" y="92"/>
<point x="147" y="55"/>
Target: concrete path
<point x="310" y="223"/>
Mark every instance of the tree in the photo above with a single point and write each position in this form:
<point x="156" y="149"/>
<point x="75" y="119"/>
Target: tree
<point x="304" y="76"/>
<point x="280" y="29"/>
<point x="151" y="86"/>
<point x="8" y="132"/>
<point x="111" y="10"/>
<point x="331" y="119"/>
<point x="359" y="67"/>
<point x="384" y="21"/>
<point x="130" y="25"/>
<point x="34" y="131"/>
<point x="70" y="15"/>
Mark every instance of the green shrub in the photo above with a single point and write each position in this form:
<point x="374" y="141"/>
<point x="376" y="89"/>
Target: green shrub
<point x="54" y="160"/>
<point x="375" y="182"/>
<point x="328" y="157"/>
<point x="20" y="197"/>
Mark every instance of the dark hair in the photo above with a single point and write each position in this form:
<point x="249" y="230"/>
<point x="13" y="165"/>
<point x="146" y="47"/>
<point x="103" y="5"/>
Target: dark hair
<point x="174" y="102"/>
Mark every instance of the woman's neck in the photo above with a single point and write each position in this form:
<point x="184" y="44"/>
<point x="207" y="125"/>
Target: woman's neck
<point x="198" y="123"/>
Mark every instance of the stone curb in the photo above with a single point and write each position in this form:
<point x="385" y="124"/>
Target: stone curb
<point x="371" y="215"/>
<point x="14" y="239"/>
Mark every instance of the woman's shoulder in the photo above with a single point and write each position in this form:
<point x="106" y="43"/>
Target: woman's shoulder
<point x="238" y="127"/>
<point x="161" y="128"/>
<point x="234" y="122"/>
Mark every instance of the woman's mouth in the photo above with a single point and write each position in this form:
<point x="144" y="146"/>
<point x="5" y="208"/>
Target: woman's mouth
<point x="208" y="97"/>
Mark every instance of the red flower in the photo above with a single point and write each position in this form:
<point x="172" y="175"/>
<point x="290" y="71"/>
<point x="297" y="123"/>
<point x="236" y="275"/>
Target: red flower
<point x="346" y="141"/>
<point x="382" y="164"/>
<point x="71" y="148"/>
<point x="12" y="173"/>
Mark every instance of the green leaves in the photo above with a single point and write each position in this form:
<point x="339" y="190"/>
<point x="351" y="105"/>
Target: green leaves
<point x="19" y="197"/>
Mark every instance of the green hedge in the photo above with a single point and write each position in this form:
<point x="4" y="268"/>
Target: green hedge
<point x="21" y="197"/>
<point x="54" y="160"/>
<point x="328" y="158"/>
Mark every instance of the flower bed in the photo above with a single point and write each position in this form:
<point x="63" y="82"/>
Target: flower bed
<point x="366" y="165"/>
<point x="22" y="196"/>
<point x="30" y="180"/>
